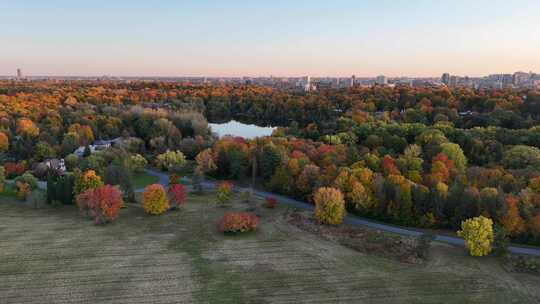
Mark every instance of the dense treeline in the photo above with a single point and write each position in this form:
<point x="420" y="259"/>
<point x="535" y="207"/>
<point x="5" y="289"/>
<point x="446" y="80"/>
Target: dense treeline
<point x="428" y="157"/>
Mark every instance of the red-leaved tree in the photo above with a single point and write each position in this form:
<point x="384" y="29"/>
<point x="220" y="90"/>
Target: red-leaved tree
<point x="177" y="195"/>
<point x="102" y="204"/>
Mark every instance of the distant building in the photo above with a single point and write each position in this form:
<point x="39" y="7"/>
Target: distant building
<point x="19" y="74"/>
<point x="454" y="81"/>
<point x="445" y="78"/>
<point x="353" y="81"/>
<point x="382" y="80"/>
<point x="97" y="146"/>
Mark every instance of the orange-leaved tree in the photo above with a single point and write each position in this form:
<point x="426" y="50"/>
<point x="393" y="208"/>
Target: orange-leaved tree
<point x="102" y="204"/>
<point x="155" y="199"/>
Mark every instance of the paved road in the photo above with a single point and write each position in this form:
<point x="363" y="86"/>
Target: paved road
<point x="355" y="220"/>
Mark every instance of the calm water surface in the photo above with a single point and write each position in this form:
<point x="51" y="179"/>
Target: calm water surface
<point x="236" y="128"/>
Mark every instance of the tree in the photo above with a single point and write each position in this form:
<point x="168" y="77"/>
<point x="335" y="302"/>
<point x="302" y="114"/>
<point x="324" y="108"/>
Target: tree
<point x="102" y="204"/>
<point x="120" y="176"/>
<point x="86" y="180"/>
<point x="177" y="195"/>
<point x="27" y="128"/>
<point x="71" y="161"/>
<point x="43" y="151"/>
<point x="60" y="187"/>
<point x="478" y="235"/>
<point x="205" y="161"/>
<point x="354" y="192"/>
<point x="521" y="157"/>
<point x="70" y="142"/>
<point x="85" y="134"/>
<point x="511" y="220"/>
<point x="308" y="179"/>
<point x="224" y="192"/>
<point x="269" y="160"/>
<point x="155" y="200"/>
<point x="282" y="181"/>
<point x="329" y="206"/>
<point x="136" y="163"/>
<point x="4" y="142"/>
<point x="171" y="160"/>
<point x="456" y="155"/>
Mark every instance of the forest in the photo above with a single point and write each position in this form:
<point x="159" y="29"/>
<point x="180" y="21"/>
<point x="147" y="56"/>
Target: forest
<point x="427" y="157"/>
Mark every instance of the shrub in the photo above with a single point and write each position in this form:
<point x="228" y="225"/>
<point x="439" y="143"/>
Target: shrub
<point x="155" y="199"/>
<point x="171" y="160"/>
<point x="14" y="169"/>
<point x="177" y="195"/>
<point x="238" y="222"/>
<point x="224" y="192"/>
<point x="478" y="235"/>
<point x="87" y="180"/>
<point x="329" y="206"/>
<point x="23" y="190"/>
<point x="102" y="204"/>
<point x="137" y="163"/>
<point x="270" y="202"/>
<point x="28" y="178"/>
<point x="60" y="188"/>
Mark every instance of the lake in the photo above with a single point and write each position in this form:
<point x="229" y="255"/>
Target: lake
<point x="236" y="128"/>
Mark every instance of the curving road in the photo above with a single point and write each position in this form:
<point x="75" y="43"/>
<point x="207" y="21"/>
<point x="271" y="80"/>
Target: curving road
<point x="352" y="219"/>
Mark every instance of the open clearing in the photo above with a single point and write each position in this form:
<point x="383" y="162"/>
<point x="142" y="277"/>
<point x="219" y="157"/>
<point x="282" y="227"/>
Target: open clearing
<point x="54" y="255"/>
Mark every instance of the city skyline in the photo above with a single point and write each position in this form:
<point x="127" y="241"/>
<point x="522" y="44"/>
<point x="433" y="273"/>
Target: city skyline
<point x="239" y="38"/>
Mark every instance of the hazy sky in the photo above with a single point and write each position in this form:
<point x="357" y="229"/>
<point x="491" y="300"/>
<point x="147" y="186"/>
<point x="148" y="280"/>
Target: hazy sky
<point x="274" y="37"/>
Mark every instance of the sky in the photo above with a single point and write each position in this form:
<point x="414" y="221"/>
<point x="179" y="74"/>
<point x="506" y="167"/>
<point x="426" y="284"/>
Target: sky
<point x="262" y="38"/>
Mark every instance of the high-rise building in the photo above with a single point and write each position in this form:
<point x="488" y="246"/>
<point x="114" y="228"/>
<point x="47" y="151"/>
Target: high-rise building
<point x="445" y="78"/>
<point x="353" y="81"/>
<point x="453" y="81"/>
<point x="19" y="74"/>
<point x="381" y="80"/>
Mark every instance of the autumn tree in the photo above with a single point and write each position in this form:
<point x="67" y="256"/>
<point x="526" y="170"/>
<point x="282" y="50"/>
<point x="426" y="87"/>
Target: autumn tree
<point x="4" y="142"/>
<point x="456" y="155"/>
<point x="329" y="206"/>
<point x="102" y="204"/>
<point x="478" y="235"/>
<point x="511" y="220"/>
<point x="155" y="200"/>
<point x="205" y="161"/>
<point x="86" y="180"/>
<point x="171" y="160"/>
<point x="224" y="192"/>
<point x="177" y="195"/>
<point x="27" y="128"/>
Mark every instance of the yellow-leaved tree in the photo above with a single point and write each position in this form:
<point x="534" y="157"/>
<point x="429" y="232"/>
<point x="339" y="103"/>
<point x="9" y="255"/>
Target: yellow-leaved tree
<point x="86" y="180"/>
<point x="155" y="199"/>
<point x="329" y="206"/>
<point x="478" y="235"/>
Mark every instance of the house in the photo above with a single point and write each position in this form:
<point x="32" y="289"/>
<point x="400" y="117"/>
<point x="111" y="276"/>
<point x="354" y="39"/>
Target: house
<point x="98" y="145"/>
<point x="56" y="164"/>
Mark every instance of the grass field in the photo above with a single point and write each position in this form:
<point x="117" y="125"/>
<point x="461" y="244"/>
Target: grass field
<point x="143" y="179"/>
<point x="53" y="255"/>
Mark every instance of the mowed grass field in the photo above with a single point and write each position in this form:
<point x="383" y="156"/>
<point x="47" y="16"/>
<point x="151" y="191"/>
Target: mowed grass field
<point x="54" y="255"/>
